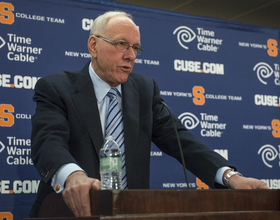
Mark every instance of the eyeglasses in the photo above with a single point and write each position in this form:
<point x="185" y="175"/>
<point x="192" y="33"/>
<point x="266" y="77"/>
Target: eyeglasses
<point x="123" y="46"/>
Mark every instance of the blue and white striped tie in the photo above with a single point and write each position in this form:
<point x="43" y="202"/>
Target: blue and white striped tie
<point x="114" y="127"/>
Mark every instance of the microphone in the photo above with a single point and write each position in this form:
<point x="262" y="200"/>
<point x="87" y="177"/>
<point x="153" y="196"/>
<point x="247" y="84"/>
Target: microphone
<point x="159" y="100"/>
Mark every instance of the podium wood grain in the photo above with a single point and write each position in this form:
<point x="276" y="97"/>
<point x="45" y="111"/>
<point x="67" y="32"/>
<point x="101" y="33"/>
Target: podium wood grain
<point x="171" y="204"/>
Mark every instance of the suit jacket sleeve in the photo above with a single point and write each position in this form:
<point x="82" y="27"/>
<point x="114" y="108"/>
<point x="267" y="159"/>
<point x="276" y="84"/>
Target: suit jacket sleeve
<point x="66" y="127"/>
<point x="50" y="131"/>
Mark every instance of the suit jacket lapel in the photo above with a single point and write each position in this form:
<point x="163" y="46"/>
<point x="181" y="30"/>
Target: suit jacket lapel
<point x="130" y="106"/>
<point x="86" y="104"/>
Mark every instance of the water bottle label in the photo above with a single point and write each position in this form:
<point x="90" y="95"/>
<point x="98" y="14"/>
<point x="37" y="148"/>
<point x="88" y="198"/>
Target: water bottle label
<point x="110" y="163"/>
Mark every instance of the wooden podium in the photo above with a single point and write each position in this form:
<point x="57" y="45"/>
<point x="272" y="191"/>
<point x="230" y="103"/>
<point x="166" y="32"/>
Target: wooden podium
<point x="171" y="205"/>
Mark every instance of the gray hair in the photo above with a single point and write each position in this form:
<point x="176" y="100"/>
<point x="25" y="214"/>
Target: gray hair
<point x="99" y="24"/>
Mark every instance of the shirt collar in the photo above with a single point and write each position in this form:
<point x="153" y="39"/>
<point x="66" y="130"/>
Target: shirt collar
<point x="101" y="88"/>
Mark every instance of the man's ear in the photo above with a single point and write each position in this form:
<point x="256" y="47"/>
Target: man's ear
<point x="92" y="46"/>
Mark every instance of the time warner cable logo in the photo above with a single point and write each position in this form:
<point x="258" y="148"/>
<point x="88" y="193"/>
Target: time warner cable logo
<point x="206" y="40"/>
<point x="2" y="42"/>
<point x="210" y="126"/>
<point x="189" y="120"/>
<point x="185" y="35"/>
<point x="2" y="146"/>
<point x="264" y="71"/>
<point x="268" y="154"/>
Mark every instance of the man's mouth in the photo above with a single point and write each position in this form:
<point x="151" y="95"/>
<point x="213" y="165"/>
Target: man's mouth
<point x="126" y="68"/>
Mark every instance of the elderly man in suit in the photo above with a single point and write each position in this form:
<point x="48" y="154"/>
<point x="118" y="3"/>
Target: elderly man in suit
<point x="68" y="128"/>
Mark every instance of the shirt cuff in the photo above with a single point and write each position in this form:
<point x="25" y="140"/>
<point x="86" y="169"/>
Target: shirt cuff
<point x="219" y="175"/>
<point x="61" y="175"/>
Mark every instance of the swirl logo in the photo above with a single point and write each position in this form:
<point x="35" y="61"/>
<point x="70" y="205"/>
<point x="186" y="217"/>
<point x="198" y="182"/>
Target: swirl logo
<point x="263" y="71"/>
<point x="2" y="146"/>
<point x="268" y="153"/>
<point x="184" y="35"/>
<point x="189" y="120"/>
<point x="2" y="42"/>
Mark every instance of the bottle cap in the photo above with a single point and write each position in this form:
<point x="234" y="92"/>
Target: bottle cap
<point x="109" y="138"/>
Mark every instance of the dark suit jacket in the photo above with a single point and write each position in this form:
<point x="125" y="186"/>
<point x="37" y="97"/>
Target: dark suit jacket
<point x="66" y="128"/>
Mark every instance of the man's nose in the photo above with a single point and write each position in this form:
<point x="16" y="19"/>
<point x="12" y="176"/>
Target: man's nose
<point x="130" y="53"/>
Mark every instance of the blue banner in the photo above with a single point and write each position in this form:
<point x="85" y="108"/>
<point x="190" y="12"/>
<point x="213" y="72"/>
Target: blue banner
<point x="221" y="79"/>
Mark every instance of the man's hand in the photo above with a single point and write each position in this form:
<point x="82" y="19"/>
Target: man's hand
<point x="240" y="182"/>
<point x="76" y="193"/>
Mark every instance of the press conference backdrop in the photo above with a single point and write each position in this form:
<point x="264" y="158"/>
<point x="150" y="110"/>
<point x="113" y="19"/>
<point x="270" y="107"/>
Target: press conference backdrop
<point x="221" y="79"/>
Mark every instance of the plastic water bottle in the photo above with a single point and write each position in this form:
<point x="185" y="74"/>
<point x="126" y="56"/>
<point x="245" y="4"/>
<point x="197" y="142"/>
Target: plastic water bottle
<point x="110" y="165"/>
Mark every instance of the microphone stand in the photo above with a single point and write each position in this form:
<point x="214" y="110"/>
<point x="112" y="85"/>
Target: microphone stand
<point x="179" y="142"/>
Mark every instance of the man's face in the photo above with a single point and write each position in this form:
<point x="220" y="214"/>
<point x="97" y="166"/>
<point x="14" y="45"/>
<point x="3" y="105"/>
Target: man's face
<point x="111" y="65"/>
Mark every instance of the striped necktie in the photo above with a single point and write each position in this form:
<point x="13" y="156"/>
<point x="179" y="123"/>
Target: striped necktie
<point x="114" y="127"/>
